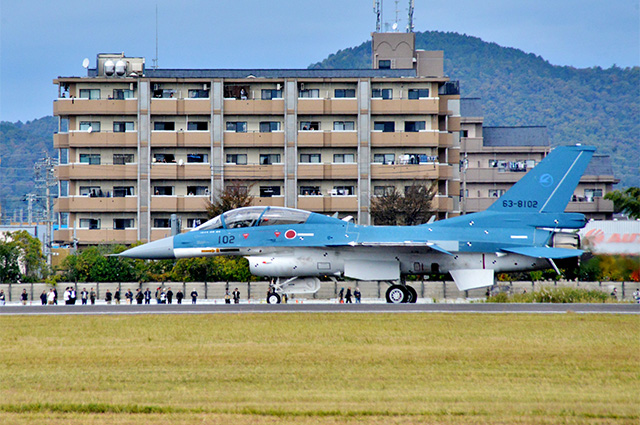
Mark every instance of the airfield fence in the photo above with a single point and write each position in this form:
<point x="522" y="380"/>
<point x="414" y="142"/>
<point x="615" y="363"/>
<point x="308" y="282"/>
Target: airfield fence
<point x="437" y="291"/>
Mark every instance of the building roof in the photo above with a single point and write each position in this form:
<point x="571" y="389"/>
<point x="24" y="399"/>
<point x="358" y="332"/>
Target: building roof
<point x="471" y="107"/>
<point x="279" y="73"/>
<point x="600" y="165"/>
<point x="515" y="136"/>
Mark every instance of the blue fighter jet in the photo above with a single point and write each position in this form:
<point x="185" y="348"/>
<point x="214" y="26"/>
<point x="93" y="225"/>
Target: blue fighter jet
<point x="525" y="229"/>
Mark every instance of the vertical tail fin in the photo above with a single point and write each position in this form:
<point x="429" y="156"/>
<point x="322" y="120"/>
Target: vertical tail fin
<point x="548" y="187"/>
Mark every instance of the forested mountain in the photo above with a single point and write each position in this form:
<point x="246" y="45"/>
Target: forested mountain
<point x="594" y="106"/>
<point x="21" y="145"/>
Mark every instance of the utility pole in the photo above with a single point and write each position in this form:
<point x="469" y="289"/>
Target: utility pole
<point x="44" y="172"/>
<point x="30" y="197"/>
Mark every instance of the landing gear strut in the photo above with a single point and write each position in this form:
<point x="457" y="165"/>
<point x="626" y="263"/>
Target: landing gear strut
<point x="397" y="294"/>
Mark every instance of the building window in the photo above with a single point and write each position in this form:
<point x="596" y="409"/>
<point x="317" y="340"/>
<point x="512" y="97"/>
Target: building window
<point x="194" y="222"/>
<point x="384" y="158"/>
<point x="90" y="158"/>
<point x="159" y="93"/>
<point x="384" y="64"/>
<point x="310" y="191"/>
<point x="269" y="158"/>
<point x="91" y="126"/>
<point x="197" y="158"/>
<point x="344" y="126"/>
<point x="464" y="133"/>
<point x="414" y="126"/>
<point x="344" y="157"/>
<point x="122" y="223"/>
<point x="418" y="93"/>
<point x="341" y="93"/>
<point x="232" y="91"/>
<point x="164" y="158"/>
<point x="90" y="223"/>
<point x="63" y="220"/>
<point x="384" y="126"/>
<point x="268" y="94"/>
<point x="121" y="94"/>
<point x="310" y="158"/>
<point x="383" y="190"/>
<point x="89" y="94"/>
<point x="496" y="193"/>
<point x="122" y="126"/>
<point x="64" y="188"/>
<point x="163" y="223"/>
<point x="269" y="126"/>
<point x="197" y="190"/>
<point x="91" y="191"/>
<point x="309" y="125"/>
<point x="164" y="126"/>
<point x="198" y="94"/>
<point x="122" y="191"/>
<point x="269" y="191"/>
<point x="197" y="126"/>
<point x="122" y="158"/>
<point x="592" y="193"/>
<point x="237" y="158"/>
<point x="309" y="93"/>
<point x="342" y="191"/>
<point x="382" y="94"/>
<point x="63" y="156"/>
<point x="237" y="126"/>
<point x="163" y="190"/>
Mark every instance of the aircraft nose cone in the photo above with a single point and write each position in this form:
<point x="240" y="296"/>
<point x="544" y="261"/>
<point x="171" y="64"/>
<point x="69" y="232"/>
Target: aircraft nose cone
<point x="156" y="250"/>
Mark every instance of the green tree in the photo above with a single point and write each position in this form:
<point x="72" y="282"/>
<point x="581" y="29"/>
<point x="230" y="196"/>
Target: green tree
<point x="9" y="256"/>
<point x="31" y="256"/>
<point x="627" y="201"/>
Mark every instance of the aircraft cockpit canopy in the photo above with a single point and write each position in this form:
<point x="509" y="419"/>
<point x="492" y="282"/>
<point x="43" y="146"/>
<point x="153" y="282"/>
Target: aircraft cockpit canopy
<point x="255" y="216"/>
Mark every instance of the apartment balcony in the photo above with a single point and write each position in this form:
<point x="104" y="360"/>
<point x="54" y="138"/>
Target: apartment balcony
<point x="251" y="172"/>
<point x="180" y="106"/>
<point x="347" y="106"/>
<point x="453" y="123"/>
<point x="273" y="201"/>
<point x="180" y="139"/>
<point x="97" y="172"/>
<point x="477" y="204"/>
<point x="442" y="203"/>
<point x="328" y="203"/>
<point x="493" y="175"/>
<point x="327" y="171"/>
<point x="404" y="106"/>
<point x="326" y="139"/>
<point x="90" y="204"/>
<point x="254" y="139"/>
<point x="178" y="203"/>
<point x="64" y="107"/>
<point x="253" y="107"/>
<point x="405" y="172"/>
<point x="185" y="171"/>
<point x="590" y="206"/>
<point x="410" y="139"/>
<point x="84" y="139"/>
<point x="97" y="236"/>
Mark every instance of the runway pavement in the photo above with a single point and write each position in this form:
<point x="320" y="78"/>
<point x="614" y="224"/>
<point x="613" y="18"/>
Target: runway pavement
<point x="319" y="308"/>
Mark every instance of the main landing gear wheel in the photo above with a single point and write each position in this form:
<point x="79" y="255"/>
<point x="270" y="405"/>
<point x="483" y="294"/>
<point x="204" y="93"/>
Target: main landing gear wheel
<point x="413" y="295"/>
<point x="397" y="294"/>
<point x="273" y="299"/>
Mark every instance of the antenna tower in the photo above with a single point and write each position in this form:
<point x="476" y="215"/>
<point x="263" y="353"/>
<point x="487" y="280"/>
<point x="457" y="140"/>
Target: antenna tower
<point x="377" y="9"/>
<point x="410" y="17"/>
<point x="155" y="60"/>
<point x="44" y="173"/>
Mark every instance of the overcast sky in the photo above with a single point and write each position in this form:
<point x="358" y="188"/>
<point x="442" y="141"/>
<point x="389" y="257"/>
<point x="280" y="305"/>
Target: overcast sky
<point x="41" y="40"/>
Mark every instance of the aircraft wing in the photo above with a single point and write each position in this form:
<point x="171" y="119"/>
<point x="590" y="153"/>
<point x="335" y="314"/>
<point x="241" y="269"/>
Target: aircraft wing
<point x="545" y="252"/>
<point x="406" y="244"/>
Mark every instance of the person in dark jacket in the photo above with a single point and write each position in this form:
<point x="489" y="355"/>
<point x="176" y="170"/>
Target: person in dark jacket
<point x="147" y="296"/>
<point x="24" y="297"/>
<point x="179" y="296"/>
<point x="43" y="298"/>
<point x="116" y="296"/>
<point x="357" y="295"/>
<point x="194" y="296"/>
<point x="341" y="295"/>
<point x="92" y="296"/>
<point x="169" y="295"/>
<point x="139" y="296"/>
<point x="347" y="297"/>
<point x="236" y="296"/>
<point x="108" y="296"/>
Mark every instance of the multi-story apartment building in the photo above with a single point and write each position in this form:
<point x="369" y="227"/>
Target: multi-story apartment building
<point x="497" y="157"/>
<point x="145" y="143"/>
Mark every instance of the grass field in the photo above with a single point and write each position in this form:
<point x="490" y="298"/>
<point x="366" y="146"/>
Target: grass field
<point x="320" y="369"/>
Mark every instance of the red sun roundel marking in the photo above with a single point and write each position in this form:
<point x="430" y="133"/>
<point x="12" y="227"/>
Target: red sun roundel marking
<point x="290" y="234"/>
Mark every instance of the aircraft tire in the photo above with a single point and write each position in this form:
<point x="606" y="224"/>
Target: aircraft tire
<point x="413" y="295"/>
<point x="273" y="299"/>
<point x="396" y="294"/>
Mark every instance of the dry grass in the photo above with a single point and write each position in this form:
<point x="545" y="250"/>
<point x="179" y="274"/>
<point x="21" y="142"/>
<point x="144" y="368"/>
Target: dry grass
<point x="320" y="369"/>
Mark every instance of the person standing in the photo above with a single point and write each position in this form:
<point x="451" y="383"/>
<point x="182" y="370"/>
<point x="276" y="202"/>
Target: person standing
<point x="84" y="296"/>
<point x="24" y="297"/>
<point x="116" y="296"/>
<point x="147" y="296"/>
<point x="227" y="296"/>
<point x="636" y="295"/>
<point x="129" y="296"/>
<point x="55" y="296"/>
<point x="169" y="295"/>
<point x="2" y="297"/>
<point x="236" y="296"/>
<point x="92" y="296"/>
<point x="51" y="297"/>
<point x="66" y="296"/>
<point x="341" y="295"/>
<point x="179" y="296"/>
<point x="347" y="297"/>
<point x="139" y="296"/>
<point x="43" y="298"/>
<point x="357" y="295"/>
<point x="72" y="295"/>
<point x="194" y="296"/>
<point x="163" y="297"/>
<point x="108" y="296"/>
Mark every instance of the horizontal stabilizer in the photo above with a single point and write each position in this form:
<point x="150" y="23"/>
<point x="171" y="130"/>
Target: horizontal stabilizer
<point x="472" y="278"/>
<point x="545" y="252"/>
